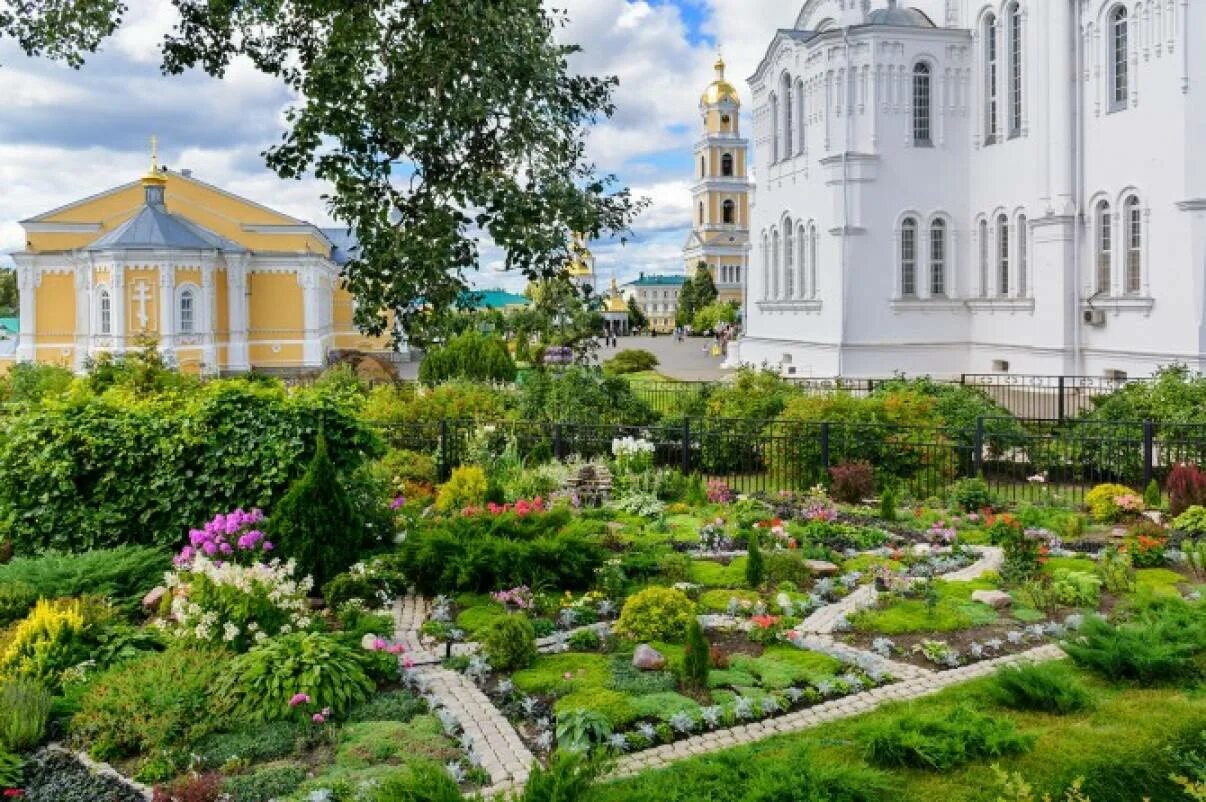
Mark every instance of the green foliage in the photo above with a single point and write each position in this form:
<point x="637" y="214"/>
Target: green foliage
<point x="255" y="743"/>
<point x="941" y="742"/>
<point x="30" y="382"/>
<point x="1151" y="495"/>
<point x="696" y="657"/>
<point x="264" y="785"/>
<point x="55" y="636"/>
<point x="10" y="769"/>
<point x="568" y="778"/>
<point x="422" y="782"/>
<point x="1076" y="588"/>
<point x="91" y="472"/>
<point x="585" y="640"/>
<point x="709" y="317"/>
<point x="391" y="706"/>
<point x="740" y="409"/>
<point x="1163" y="641"/>
<point x="1046" y="687"/>
<point x="1175" y="396"/>
<point x="636" y="315"/>
<point x="161" y="700"/>
<point x="510" y="643"/>
<point x="1102" y="502"/>
<point x="123" y="574"/>
<point x="755" y="566"/>
<point x="405" y="404"/>
<point x="579" y="730"/>
<point x="470" y="355"/>
<point x="888" y="504"/>
<point x="1116" y="570"/>
<point x="630" y="360"/>
<point x="1192" y="521"/>
<point x="581" y="395"/>
<point x="787" y="566"/>
<point x="466" y="487"/>
<point x="24" y="711"/>
<point x="971" y="495"/>
<point x="261" y="683"/>
<point x="656" y="614"/>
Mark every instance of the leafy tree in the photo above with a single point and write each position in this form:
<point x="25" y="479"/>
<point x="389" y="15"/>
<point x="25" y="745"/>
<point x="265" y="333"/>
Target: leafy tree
<point x="705" y="288"/>
<point x="685" y="313"/>
<point x="62" y="31"/>
<point x="636" y="316"/>
<point x="9" y="298"/>
<point x="470" y="355"/>
<point x="707" y="318"/>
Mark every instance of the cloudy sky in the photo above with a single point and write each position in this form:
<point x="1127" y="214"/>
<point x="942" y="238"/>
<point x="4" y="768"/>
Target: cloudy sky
<point x="67" y="134"/>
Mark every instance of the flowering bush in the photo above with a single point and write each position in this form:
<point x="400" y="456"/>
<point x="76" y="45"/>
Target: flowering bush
<point x="713" y="537"/>
<point x="1025" y="553"/>
<point x="520" y="597"/>
<point x="521" y="507"/>
<point x="633" y="455"/>
<point x="765" y="629"/>
<point x="1146" y="542"/>
<point x="233" y="536"/>
<point x="236" y="605"/>
<point x="719" y="492"/>
<point x="1109" y="503"/>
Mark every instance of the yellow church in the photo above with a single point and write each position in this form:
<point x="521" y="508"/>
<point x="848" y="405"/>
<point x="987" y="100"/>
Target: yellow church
<point x="221" y="283"/>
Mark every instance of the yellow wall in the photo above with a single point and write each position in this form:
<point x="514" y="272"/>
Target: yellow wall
<point x="275" y="309"/>
<point x="150" y="278"/>
<point x="54" y="314"/>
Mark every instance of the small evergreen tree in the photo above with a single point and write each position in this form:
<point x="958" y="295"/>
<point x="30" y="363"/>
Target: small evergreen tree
<point x="1151" y="495"/>
<point x="315" y="522"/>
<point x="696" y="657"/>
<point x="636" y="316"/>
<point x="887" y="504"/>
<point x="705" y="289"/>
<point x="686" y="304"/>
<point x="755" y="566"/>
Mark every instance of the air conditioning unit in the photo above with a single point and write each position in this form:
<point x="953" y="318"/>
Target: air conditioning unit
<point x="1095" y="317"/>
<point x="1000" y="366"/>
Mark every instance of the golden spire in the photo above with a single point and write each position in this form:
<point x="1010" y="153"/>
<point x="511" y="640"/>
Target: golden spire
<point x="720" y="90"/>
<point x="154" y="174"/>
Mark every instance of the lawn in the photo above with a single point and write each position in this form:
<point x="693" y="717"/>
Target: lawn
<point x="954" y="610"/>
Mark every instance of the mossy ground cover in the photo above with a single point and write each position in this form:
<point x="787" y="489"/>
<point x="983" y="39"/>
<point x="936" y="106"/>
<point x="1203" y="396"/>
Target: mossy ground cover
<point x="712" y="574"/>
<point x="1118" y="747"/>
<point x="954" y="610"/>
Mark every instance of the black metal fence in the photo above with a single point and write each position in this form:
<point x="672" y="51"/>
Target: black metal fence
<point x="766" y="456"/>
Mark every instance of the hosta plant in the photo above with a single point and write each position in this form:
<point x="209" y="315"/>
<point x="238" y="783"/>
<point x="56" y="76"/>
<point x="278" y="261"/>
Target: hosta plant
<point x="579" y="730"/>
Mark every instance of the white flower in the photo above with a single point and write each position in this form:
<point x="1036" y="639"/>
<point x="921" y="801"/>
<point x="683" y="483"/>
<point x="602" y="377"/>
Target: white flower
<point x="230" y="631"/>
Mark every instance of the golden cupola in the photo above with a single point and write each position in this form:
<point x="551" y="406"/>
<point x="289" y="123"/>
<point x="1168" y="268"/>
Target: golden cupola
<point x="720" y="90"/>
<point x="615" y="301"/>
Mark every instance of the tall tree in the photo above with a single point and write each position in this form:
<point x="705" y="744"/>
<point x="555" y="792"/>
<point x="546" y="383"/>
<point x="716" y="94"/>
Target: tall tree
<point x="438" y="122"/>
<point x="9" y="300"/>
<point x="685" y="311"/>
<point x="705" y="288"/>
<point x="636" y="316"/>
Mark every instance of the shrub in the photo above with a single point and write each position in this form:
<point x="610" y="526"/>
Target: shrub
<point x="630" y="360"/>
<point x="787" y="566"/>
<point x="161" y="700"/>
<point x="51" y="639"/>
<point x="16" y="600"/>
<point x="193" y="788"/>
<point x="422" y="782"/>
<point x="579" y="730"/>
<point x="253" y="743"/>
<point x="888" y="504"/>
<point x="696" y="657"/>
<point x="469" y="355"/>
<point x="940" y="742"/>
<point x="1192" y="521"/>
<point x="1151" y="495"/>
<point x="123" y="574"/>
<point x="510" y="643"/>
<point x="403" y="468"/>
<point x="656" y="614"/>
<point x="1047" y="687"/>
<point x="263" y="683"/>
<point x="10" y="769"/>
<point x="851" y="482"/>
<point x="466" y="487"/>
<point x="585" y="640"/>
<point x="57" y="777"/>
<point x="1162" y="642"/>
<point x="1076" y="588"/>
<point x="1186" y="486"/>
<point x="1145" y="542"/>
<point x="755" y="567"/>
<point x="377" y="581"/>
<point x="24" y="711"/>
<point x="1103" y="502"/>
<point x="971" y="495"/>
<point x="581" y="395"/>
<point x="265" y="785"/>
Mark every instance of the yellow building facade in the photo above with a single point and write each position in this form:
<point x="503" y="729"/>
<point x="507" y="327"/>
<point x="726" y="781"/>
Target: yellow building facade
<point x="222" y="284"/>
<point x="720" y="234"/>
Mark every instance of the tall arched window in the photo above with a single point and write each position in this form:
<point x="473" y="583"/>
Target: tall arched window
<point x="776" y="252"/>
<point x="701" y="213"/>
<point x="1023" y="254"/>
<point x="938" y="258"/>
<point x="186" y="322"/>
<point x="983" y="235"/>
<point x="788" y="119"/>
<point x="1105" y="248"/>
<point x="789" y="259"/>
<point x="802" y="118"/>
<point x="1134" y="245"/>
<point x="766" y="266"/>
<point x="1002" y="255"/>
<point x="921" y="105"/>
<point x="703" y="167"/>
<point x="105" y="312"/>
<point x="813" y="267"/>
<point x="802" y="261"/>
<point x="991" y="66"/>
<point x="1015" y="69"/>
<point x="774" y="115"/>
<point x="1119" y="34"/>
<point x="726" y="165"/>
<point x="908" y="257"/>
<point x="728" y="212"/>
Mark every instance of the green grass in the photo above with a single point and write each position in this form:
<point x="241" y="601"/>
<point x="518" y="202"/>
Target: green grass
<point x="711" y="574"/>
<point x="954" y="610"/>
<point x="1157" y="582"/>
<point x="547" y="675"/>
<point x="717" y="601"/>
<point x="1117" y="747"/>
<point x="370" y="743"/>
<point x="863" y="563"/>
<point x="1069" y="564"/>
<point x="783" y="666"/>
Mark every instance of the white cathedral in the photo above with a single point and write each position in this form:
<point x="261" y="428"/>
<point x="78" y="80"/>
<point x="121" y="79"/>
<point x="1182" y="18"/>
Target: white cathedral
<point x="960" y="186"/>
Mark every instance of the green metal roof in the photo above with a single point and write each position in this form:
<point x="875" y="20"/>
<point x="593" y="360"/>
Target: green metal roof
<point x="10" y="324"/>
<point x="657" y="281"/>
<point x="494" y="299"/>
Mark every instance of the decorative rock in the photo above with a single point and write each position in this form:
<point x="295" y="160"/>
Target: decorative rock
<point x="822" y="568"/>
<point x="922" y="549"/>
<point x="996" y="599"/>
<point x="368" y="641"/>
<point x="154" y="597"/>
<point x="648" y="658"/>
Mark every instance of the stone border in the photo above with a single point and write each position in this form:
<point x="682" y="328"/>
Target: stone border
<point x="103" y="769"/>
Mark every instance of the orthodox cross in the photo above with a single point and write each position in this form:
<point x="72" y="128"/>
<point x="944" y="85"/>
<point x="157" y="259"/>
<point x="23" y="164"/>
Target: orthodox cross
<point x="142" y="295"/>
<point x="154" y="153"/>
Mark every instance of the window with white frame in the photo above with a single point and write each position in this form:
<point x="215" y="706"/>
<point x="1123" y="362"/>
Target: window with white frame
<point x="812" y="259"/>
<point x="802" y="259"/>
<point x="187" y="324"/>
<point x="1023" y="254"/>
<point x="1015" y="69"/>
<point x="1119" y="34"/>
<point x="789" y="260"/>
<point x="1003" y="255"/>
<point x="921" y="105"/>
<point x="991" y="65"/>
<point x="774" y="114"/>
<point x="728" y="212"/>
<point x="104" y="303"/>
<point x="802" y="118"/>
<point x="1134" y="245"/>
<point x="938" y="258"/>
<point x="788" y="120"/>
<point x="775" y="253"/>
<point x="983" y="236"/>
<point x="1105" y="248"/>
<point x="908" y="257"/>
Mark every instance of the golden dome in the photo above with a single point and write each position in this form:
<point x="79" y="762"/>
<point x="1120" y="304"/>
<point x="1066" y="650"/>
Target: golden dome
<point x="615" y="302"/>
<point x="720" y="90"/>
<point x="582" y="262"/>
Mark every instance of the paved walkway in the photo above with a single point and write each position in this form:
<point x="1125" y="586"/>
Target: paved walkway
<point x="825" y="620"/>
<point x="991" y="559"/>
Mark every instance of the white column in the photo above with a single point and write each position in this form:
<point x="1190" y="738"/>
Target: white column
<point x="118" y="316"/>
<point x="83" y="311"/>
<point x="312" y="355"/>
<point x="27" y="287"/>
<point x="237" y="358"/>
<point x="205" y="316"/>
<point x="167" y="311"/>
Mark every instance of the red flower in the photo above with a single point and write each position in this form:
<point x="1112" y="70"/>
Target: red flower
<point x="764" y="621"/>
<point x="13" y="793"/>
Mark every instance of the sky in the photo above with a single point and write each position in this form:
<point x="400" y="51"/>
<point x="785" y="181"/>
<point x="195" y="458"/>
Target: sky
<point x="65" y="134"/>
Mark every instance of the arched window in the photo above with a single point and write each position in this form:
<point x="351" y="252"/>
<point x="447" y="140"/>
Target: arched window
<point x="186" y="323"/>
<point x="802" y="118"/>
<point x="726" y="165"/>
<point x="728" y="212"/>
<point x="766" y="257"/>
<point x="789" y="126"/>
<point x="938" y="258"/>
<point x="1023" y="254"/>
<point x="983" y="232"/>
<point x="991" y="65"/>
<point x="1119" y="52"/>
<point x="105" y="312"/>
<point x="1015" y="69"/>
<point x="789" y="260"/>
<point x="812" y="260"/>
<point x="1105" y="248"/>
<point x="908" y="257"/>
<point x="774" y="107"/>
<point x="1002" y="255"/>
<point x="1134" y="245"/>
<point x="921" y="105"/>
<point x="701" y="213"/>
<point x="703" y="167"/>
<point x="776" y="251"/>
<point x="802" y="261"/>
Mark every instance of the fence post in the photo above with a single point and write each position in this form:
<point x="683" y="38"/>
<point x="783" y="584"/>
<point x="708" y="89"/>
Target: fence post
<point x="686" y="455"/>
<point x="1149" y="436"/>
<point x="978" y="454"/>
<point x="445" y="471"/>
<point x="557" y="447"/>
<point x="824" y="450"/>
<point x="1062" y="408"/>
<point x="963" y="378"/>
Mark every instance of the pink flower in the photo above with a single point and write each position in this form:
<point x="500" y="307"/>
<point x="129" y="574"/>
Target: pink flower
<point x="379" y="645"/>
<point x="299" y="699"/>
<point x="408" y="662"/>
<point x="267" y="546"/>
<point x="567" y="675"/>
<point x="318" y="718"/>
<point x="209" y="548"/>
<point x="397" y="503"/>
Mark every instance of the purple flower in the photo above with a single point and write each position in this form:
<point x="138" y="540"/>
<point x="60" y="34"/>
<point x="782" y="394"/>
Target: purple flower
<point x="397" y="503"/>
<point x="299" y="699"/>
<point x="209" y="547"/>
<point x="267" y="546"/>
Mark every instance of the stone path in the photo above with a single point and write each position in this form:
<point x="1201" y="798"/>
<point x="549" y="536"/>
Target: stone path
<point x="991" y="559"/>
<point x="825" y="620"/>
<point x="861" y="657"/>
<point x="846" y="707"/>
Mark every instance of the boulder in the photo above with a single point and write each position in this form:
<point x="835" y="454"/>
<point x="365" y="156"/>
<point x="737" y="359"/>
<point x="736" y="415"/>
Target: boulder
<point x="996" y="599"/>
<point x="154" y="598"/>
<point x="822" y="568"/>
<point x="648" y="658"/>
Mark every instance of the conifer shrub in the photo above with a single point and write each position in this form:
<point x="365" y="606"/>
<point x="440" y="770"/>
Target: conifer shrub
<point x="1151" y="495"/>
<point x="466" y="487"/>
<point x="888" y="504"/>
<point x="656" y="613"/>
<point x="1163" y="641"/>
<point x="696" y="657"/>
<point x="630" y="360"/>
<point x="510" y="643"/>
<point x="755" y="565"/>
<point x="941" y="741"/>
<point x="1046" y="687"/>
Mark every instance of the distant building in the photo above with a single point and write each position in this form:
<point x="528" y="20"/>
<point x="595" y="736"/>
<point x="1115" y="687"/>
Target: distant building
<point x="495" y="299"/>
<point x="615" y="311"/>
<point x="657" y="297"/>
<point x="582" y="265"/>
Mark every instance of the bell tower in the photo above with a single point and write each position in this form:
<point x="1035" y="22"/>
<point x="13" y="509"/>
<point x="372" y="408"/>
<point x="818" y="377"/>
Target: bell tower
<point x="720" y="234"/>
